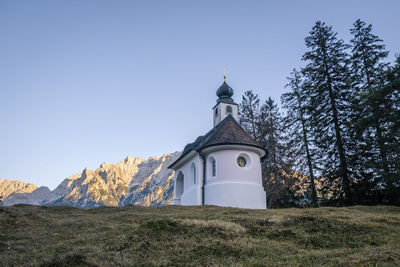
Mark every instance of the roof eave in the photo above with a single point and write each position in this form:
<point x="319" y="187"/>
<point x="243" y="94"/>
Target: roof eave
<point x="182" y="160"/>
<point x="262" y="152"/>
<point x="226" y="102"/>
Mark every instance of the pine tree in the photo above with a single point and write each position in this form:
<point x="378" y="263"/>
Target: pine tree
<point x="387" y="98"/>
<point x="278" y="173"/>
<point x="327" y="86"/>
<point x="264" y="124"/>
<point x="248" y="112"/>
<point x="368" y="72"/>
<point x="296" y="125"/>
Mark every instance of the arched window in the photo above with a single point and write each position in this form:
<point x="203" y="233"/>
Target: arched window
<point x="193" y="173"/>
<point x="179" y="185"/>
<point x="213" y="167"/>
<point x="216" y="112"/>
<point x="228" y="110"/>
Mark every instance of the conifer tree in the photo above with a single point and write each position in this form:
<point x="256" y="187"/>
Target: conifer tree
<point x="248" y="111"/>
<point x="278" y="171"/>
<point x="296" y="125"/>
<point x="368" y="72"/>
<point x="327" y="86"/>
<point x="264" y="123"/>
<point x="387" y="97"/>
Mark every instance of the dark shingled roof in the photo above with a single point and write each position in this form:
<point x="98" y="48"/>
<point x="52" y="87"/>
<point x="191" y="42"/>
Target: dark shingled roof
<point x="227" y="132"/>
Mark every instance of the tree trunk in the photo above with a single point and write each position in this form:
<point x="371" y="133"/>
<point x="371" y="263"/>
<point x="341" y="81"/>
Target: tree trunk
<point x="383" y="154"/>
<point x="309" y="162"/>
<point x="381" y="143"/>
<point x="339" y="141"/>
<point x="342" y="156"/>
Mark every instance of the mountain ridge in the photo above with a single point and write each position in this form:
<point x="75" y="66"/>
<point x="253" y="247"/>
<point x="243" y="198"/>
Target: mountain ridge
<point x="133" y="180"/>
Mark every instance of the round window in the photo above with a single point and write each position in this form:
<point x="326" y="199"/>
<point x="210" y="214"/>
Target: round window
<point x="241" y="161"/>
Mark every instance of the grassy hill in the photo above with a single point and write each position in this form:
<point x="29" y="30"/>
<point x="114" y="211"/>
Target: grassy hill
<point x="57" y="236"/>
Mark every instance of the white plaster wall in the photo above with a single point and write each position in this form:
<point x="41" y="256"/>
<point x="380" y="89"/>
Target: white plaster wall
<point x="239" y="195"/>
<point x="235" y="186"/>
<point x="229" y="170"/>
<point x="234" y="111"/>
<point x="191" y="192"/>
<point x="222" y="112"/>
<point x="217" y="118"/>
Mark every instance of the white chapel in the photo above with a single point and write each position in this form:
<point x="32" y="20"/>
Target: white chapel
<point x="223" y="166"/>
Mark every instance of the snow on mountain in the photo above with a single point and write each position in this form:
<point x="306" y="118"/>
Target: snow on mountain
<point x="131" y="181"/>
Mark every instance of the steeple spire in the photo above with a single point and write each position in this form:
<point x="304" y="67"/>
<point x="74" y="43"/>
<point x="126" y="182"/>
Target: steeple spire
<point x="225" y="105"/>
<point x="225" y="92"/>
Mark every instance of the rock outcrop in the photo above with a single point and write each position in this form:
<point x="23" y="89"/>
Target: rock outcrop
<point x="36" y="197"/>
<point x="8" y="187"/>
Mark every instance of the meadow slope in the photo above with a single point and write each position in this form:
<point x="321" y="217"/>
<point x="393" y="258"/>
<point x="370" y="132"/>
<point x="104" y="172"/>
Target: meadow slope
<point x="171" y="235"/>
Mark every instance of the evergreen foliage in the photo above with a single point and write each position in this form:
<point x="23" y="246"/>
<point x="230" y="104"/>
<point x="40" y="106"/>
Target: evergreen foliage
<point x="369" y="125"/>
<point x="387" y="97"/>
<point x="248" y="109"/>
<point x="327" y="86"/>
<point x="339" y="141"/>
<point x="277" y="167"/>
<point x="296" y="124"/>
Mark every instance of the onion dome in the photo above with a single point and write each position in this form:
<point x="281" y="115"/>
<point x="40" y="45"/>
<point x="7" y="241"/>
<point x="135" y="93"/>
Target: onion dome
<point x="225" y="93"/>
<point x="225" y="90"/>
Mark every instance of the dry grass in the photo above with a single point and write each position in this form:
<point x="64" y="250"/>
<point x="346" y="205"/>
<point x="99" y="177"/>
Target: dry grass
<point x="140" y="236"/>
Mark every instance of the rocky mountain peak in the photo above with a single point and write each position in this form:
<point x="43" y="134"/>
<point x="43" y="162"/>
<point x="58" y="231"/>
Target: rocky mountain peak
<point x="130" y="159"/>
<point x="8" y="187"/>
<point x="133" y="180"/>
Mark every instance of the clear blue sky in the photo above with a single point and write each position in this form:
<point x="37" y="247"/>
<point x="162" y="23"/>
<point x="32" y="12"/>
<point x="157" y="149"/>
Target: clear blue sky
<point x="83" y="82"/>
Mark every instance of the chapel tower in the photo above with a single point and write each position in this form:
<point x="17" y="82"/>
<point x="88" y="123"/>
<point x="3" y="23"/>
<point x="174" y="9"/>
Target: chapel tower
<point x="225" y="105"/>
